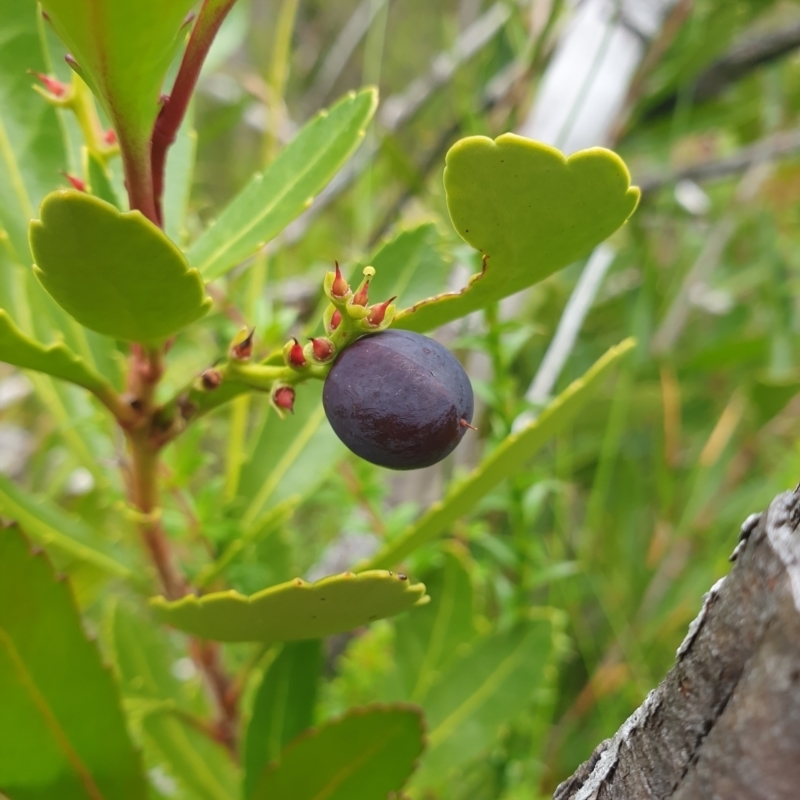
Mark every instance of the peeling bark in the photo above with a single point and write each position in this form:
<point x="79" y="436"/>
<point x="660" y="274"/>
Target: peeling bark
<point x="725" y="722"/>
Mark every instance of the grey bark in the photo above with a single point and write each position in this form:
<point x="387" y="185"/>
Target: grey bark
<point x="725" y="722"/>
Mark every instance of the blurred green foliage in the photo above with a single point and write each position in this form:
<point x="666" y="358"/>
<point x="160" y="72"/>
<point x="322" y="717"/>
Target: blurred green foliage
<point x="611" y="535"/>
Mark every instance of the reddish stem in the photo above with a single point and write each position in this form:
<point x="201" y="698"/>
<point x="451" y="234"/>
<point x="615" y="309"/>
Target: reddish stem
<point x="211" y="17"/>
<point x="139" y="181"/>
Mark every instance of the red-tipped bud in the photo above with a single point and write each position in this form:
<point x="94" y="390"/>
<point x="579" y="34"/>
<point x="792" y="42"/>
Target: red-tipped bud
<point x="211" y="379"/>
<point x="110" y="137"/>
<point x="336" y="320"/>
<point x="242" y="345"/>
<point x="339" y="287"/>
<point x="76" y="182"/>
<point x="53" y="85"/>
<point x="323" y="349"/>
<point x="464" y="424"/>
<point x="361" y="297"/>
<point x="283" y="397"/>
<point x="378" y="312"/>
<point x="296" y="357"/>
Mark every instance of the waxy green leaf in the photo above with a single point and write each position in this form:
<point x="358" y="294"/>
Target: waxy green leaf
<point x="530" y="210"/>
<point x="293" y="610"/>
<point x="506" y="460"/>
<point x="56" y="359"/>
<point x="283" y="706"/>
<point x="368" y="754"/>
<point x="62" y="733"/>
<point x="115" y="272"/>
<point x="273" y="199"/>
<point x="123" y="51"/>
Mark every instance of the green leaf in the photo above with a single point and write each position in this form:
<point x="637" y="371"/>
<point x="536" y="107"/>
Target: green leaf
<point x="483" y="691"/>
<point x="62" y="733"/>
<point x="32" y="149"/>
<point x="409" y="265"/>
<point x="201" y="767"/>
<point x="291" y="457"/>
<point x="53" y="528"/>
<point x="506" y="460"/>
<point x="530" y="210"/>
<point x="366" y="755"/>
<point x="283" y="707"/>
<point x="123" y="51"/>
<point x="178" y="178"/>
<point x="430" y="638"/>
<point x="273" y="199"/>
<point x="115" y="272"/>
<point x="143" y="657"/>
<point x="293" y="610"/>
<point x="56" y="359"/>
<point x="99" y="178"/>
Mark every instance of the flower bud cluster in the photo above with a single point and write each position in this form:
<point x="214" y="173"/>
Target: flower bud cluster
<point x="348" y="317"/>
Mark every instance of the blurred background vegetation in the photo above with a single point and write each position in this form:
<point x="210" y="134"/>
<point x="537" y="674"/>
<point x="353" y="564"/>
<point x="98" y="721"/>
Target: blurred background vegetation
<point x="624" y="521"/>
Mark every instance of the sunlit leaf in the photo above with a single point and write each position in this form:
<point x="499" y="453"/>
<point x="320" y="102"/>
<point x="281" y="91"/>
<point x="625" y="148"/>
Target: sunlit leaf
<point x="273" y="199"/>
<point x="293" y="610"/>
<point x="367" y="754"/>
<point x="115" y="272"/>
<point x="529" y="210"/>
<point x="62" y="733"/>
<point x="506" y="460"/>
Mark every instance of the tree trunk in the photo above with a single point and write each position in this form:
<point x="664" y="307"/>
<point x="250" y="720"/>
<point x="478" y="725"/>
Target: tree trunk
<point x="725" y="722"/>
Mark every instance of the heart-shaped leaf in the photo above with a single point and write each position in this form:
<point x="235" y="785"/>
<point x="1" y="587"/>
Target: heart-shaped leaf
<point x="272" y="200"/>
<point x="123" y="51"/>
<point x="366" y="755"/>
<point x="114" y="271"/>
<point x="530" y="210"/>
<point x="62" y="732"/>
<point x="295" y="609"/>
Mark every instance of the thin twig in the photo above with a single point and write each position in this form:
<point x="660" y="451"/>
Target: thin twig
<point x="211" y="17"/>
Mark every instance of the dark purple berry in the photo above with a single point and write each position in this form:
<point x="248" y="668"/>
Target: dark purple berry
<point x="398" y="399"/>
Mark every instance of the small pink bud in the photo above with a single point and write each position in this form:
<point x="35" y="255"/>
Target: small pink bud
<point x="53" y="85"/>
<point x="284" y="398"/>
<point x="323" y="348"/>
<point x="336" y="320"/>
<point x="339" y="287"/>
<point x="378" y="312"/>
<point x="110" y="137"/>
<point x="76" y="182"/>
<point x="211" y="379"/>
<point x="361" y="297"/>
<point x="296" y="357"/>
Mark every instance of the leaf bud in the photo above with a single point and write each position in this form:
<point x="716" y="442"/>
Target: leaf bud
<point x="242" y="345"/>
<point x="54" y="86"/>
<point x="339" y="287"/>
<point x="293" y="353"/>
<point x="211" y="379"/>
<point x="378" y="312"/>
<point x="323" y="348"/>
<point x="283" y="397"/>
<point x="76" y="182"/>
<point x="336" y="320"/>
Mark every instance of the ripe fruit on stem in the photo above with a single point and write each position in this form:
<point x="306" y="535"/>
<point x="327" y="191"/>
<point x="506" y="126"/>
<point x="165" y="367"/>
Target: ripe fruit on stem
<point x="398" y="399"/>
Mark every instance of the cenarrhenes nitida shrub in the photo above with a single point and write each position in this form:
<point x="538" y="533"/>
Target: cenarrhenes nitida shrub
<point x="398" y="399"/>
<point x="95" y="292"/>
